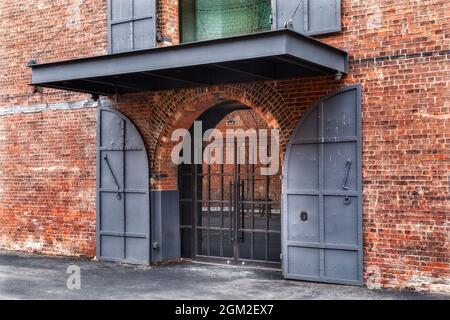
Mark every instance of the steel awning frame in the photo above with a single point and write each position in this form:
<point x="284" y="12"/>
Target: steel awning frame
<point x="271" y="55"/>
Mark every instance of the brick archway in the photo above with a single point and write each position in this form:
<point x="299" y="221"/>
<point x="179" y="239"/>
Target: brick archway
<point x="183" y="108"/>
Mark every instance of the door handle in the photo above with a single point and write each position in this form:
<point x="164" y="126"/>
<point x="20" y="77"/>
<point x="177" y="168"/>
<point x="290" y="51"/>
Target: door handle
<point x="241" y="187"/>
<point x="230" y="205"/>
<point x="348" y="166"/>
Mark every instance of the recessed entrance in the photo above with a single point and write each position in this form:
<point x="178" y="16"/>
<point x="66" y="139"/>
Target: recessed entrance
<point x="230" y="213"/>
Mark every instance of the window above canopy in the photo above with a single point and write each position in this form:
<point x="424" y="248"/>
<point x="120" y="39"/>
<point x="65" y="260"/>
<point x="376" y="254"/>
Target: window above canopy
<point x="212" y="19"/>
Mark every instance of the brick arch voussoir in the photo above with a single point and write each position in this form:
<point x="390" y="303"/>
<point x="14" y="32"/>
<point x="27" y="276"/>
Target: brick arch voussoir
<point x="182" y="108"/>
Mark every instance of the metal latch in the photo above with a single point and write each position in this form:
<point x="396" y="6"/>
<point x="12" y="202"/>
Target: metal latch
<point x="304" y="216"/>
<point x="114" y="177"/>
<point x="348" y="166"/>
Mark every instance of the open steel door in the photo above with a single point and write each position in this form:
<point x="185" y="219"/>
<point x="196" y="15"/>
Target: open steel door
<point x="123" y="200"/>
<point x="322" y="193"/>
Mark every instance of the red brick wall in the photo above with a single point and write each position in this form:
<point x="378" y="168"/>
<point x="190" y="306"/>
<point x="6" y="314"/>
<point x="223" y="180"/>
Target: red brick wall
<point x="399" y="52"/>
<point x="47" y="182"/>
<point x="47" y="149"/>
<point x="25" y="29"/>
<point x="168" y="23"/>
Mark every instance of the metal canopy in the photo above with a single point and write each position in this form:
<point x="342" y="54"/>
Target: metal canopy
<point x="270" y="55"/>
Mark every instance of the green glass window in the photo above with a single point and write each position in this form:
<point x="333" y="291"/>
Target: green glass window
<point x="212" y="19"/>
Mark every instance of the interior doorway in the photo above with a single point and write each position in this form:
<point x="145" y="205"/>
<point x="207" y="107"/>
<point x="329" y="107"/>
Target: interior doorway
<point x="230" y="213"/>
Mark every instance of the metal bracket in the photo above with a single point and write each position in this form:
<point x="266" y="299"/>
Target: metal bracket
<point x="95" y="97"/>
<point x="38" y="89"/>
<point x="32" y="62"/>
<point x="290" y="24"/>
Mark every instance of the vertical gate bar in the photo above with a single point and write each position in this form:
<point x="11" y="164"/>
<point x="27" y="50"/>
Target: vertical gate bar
<point x="244" y="217"/>
<point x="266" y="248"/>
<point x="266" y="209"/>
<point x="241" y="198"/>
<point x="242" y="203"/>
<point x="266" y="202"/>
<point x="321" y="191"/>
<point x="180" y="211"/>
<point x="195" y="206"/>
<point x="208" y="212"/>
<point x="230" y="205"/>
<point x="236" y="203"/>
<point x="222" y="196"/>
<point x="252" y="197"/>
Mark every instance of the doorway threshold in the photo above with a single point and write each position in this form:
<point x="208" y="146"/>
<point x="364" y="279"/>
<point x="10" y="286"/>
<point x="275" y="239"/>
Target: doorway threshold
<point x="234" y="266"/>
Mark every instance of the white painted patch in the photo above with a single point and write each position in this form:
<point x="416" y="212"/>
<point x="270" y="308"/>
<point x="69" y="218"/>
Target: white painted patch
<point x="74" y="14"/>
<point x="227" y="273"/>
<point x="2" y="188"/>
<point x="32" y="244"/>
<point x="424" y="283"/>
<point x="13" y="110"/>
<point x="374" y="16"/>
<point x="49" y="168"/>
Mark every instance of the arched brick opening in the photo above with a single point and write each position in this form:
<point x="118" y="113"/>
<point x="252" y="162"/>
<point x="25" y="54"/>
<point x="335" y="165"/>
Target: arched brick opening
<point x="183" y="108"/>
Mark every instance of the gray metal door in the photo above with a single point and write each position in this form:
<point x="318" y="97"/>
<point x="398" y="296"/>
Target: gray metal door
<point x="132" y="25"/>
<point x="311" y="17"/>
<point x="322" y="193"/>
<point x="123" y="201"/>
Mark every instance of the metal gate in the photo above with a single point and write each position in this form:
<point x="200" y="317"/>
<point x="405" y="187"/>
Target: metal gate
<point x="123" y="201"/>
<point x="322" y="193"/>
<point x="230" y="213"/>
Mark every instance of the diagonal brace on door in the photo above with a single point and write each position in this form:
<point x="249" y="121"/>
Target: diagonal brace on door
<point x="113" y="175"/>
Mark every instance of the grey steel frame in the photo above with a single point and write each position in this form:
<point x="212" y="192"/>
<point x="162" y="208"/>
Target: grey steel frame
<point x="236" y="202"/>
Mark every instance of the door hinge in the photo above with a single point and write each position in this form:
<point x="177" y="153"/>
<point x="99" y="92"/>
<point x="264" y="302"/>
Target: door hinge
<point x="281" y="257"/>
